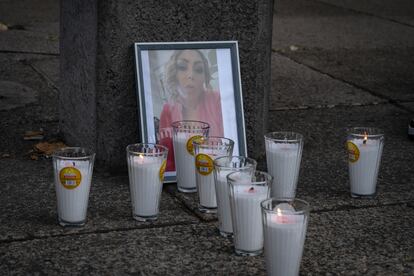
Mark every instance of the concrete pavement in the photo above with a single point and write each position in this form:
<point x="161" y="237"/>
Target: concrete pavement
<point x="335" y="65"/>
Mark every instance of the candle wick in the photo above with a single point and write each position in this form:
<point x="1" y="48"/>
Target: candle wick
<point x="251" y="189"/>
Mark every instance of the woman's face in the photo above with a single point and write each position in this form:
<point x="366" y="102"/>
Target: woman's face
<point x="190" y="75"/>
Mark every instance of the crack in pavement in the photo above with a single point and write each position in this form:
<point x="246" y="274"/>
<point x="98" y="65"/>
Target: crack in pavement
<point x="31" y="237"/>
<point x="355" y="85"/>
<point x="367" y="13"/>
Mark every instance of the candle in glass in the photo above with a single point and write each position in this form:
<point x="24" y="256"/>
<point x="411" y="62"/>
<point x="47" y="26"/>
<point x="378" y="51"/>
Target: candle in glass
<point x="364" y="154"/>
<point x="285" y="222"/>
<point x="146" y="167"/>
<point x="205" y="151"/>
<point x="283" y="155"/>
<point x="247" y="191"/>
<point x="184" y="132"/>
<point x="73" y="168"/>
<point x="222" y="167"/>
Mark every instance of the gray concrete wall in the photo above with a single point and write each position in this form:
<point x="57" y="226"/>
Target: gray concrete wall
<point x="77" y="97"/>
<point x="110" y="104"/>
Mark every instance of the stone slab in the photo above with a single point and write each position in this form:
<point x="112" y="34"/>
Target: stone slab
<point x="377" y="71"/>
<point x="26" y="12"/>
<point x="312" y="24"/>
<point x="410" y="107"/>
<point x="297" y="86"/>
<point x="323" y="177"/>
<point x="33" y="26"/>
<point x="13" y="95"/>
<point x="373" y="241"/>
<point x="348" y="46"/>
<point x="399" y="10"/>
<point x="177" y="250"/>
<point x="29" y="41"/>
<point x="48" y="68"/>
<point x="29" y="203"/>
<point x="41" y="113"/>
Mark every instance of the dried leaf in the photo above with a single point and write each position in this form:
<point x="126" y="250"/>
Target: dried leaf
<point x="3" y="27"/>
<point x="293" y="48"/>
<point x="47" y="148"/>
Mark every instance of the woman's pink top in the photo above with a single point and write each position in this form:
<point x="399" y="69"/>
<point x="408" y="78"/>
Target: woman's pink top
<point x="209" y="110"/>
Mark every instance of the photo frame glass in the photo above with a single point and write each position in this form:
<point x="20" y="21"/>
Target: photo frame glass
<point x="189" y="81"/>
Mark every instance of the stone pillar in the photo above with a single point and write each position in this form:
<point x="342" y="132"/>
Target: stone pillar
<point x="98" y="102"/>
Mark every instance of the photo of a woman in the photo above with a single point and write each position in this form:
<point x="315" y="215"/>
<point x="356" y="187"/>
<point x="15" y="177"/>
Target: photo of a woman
<point x="190" y="96"/>
<point x="197" y="81"/>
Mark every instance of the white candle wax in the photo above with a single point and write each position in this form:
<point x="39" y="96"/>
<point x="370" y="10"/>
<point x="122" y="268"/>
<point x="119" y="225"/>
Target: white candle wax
<point x="283" y="163"/>
<point x="206" y="191"/>
<point x="223" y="202"/>
<point x="247" y="218"/>
<point x="364" y="171"/>
<point x="72" y="196"/>
<point x="205" y="179"/>
<point x="184" y="163"/>
<point x="205" y="185"/>
<point x="145" y="185"/>
<point x="284" y="237"/>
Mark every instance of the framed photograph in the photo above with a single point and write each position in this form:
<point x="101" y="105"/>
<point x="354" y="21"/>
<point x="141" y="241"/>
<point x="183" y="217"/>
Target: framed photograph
<point x="189" y="81"/>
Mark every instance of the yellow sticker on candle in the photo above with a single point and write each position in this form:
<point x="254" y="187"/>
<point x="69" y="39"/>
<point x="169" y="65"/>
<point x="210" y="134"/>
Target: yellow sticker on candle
<point x="204" y="164"/>
<point x="162" y="170"/>
<point x="190" y="147"/>
<point x="353" y="152"/>
<point x="70" y="177"/>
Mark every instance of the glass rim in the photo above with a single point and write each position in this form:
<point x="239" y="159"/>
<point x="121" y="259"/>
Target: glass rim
<point x="305" y="209"/>
<point x="154" y="145"/>
<point x="372" y="132"/>
<point x="268" y="179"/>
<point x="200" y="142"/>
<point x="202" y="125"/>
<point x="86" y="153"/>
<point x="219" y="159"/>
<point x="272" y="136"/>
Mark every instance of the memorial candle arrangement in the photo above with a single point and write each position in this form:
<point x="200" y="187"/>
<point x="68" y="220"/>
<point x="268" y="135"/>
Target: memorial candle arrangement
<point x="184" y="132"/>
<point x="364" y="147"/>
<point x="205" y="151"/>
<point x="73" y="168"/>
<point x="222" y="167"/>
<point x="247" y="191"/>
<point x="285" y="222"/>
<point x="283" y="156"/>
<point x="146" y="167"/>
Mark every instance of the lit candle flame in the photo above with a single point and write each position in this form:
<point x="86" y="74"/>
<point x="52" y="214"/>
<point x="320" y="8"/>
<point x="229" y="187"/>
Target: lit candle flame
<point x="365" y="137"/>
<point x="141" y="156"/>
<point x="279" y="212"/>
